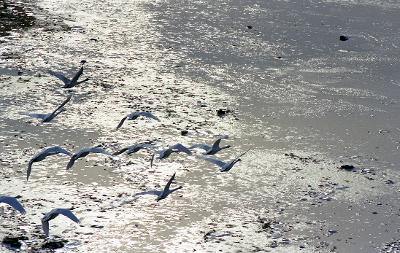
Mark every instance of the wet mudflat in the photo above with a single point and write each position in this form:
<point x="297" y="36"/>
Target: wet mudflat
<point x="304" y="101"/>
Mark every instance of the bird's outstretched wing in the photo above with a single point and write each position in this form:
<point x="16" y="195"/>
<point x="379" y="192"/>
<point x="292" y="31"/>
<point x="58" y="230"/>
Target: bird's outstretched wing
<point x="67" y="213"/>
<point x="148" y="115"/>
<point x="152" y="159"/>
<point x="57" y="150"/>
<point x="180" y="148"/>
<point x="85" y="80"/>
<point x="157" y="193"/>
<point x="54" y="213"/>
<point x="71" y="162"/>
<point x="41" y="116"/>
<point x="214" y="161"/>
<point x="29" y="170"/>
<point x="121" y="122"/>
<point x="76" y="77"/>
<point x="202" y="146"/>
<point x="216" y="144"/>
<point x="57" y="111"/>
<point x="45" y="227"/>
<point x="60" y="76"/>
<point x="13" y="202"/>
<point x="242" y="154"/>
<point x="43" y="154"/>
<point x="168" y="185"/>
<point x="84" y="152"/>
<point x="62" y="104"/>
<point x="120" y="151"/>
<point x="137" y="147"/>
<point x="99" y="150"/>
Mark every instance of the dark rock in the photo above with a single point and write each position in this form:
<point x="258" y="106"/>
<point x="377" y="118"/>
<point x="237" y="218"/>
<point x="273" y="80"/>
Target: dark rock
<point x="389" y="181"/>
<point x="223" y="112"/>
<point x="54" y="245"/>
<point x="184" y="132"/>
<point x="249" y="27"/>
<point x="347" y="167"/>
<point x="343" y="38"/>
<point x="13" y="242"/>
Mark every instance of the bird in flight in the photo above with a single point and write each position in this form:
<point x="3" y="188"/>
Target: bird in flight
<point x="69" y="83"/>
<point x="135" y="148"/>
<point x="84" y="152"/>
<point x="43" y="154"/>
<point x="53" y="214"/>
<point x="13" y="202"/>
<point x="165" y="153"/>
<point x="224" y="166"/>
<point x="164" y="193"/>
<point x="47" y="117"/>
<point x="211" y="150"/>
<point x="135" y="115"/>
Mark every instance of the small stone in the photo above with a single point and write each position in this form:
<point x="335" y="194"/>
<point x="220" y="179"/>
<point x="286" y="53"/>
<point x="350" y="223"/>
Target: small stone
<point x="389" y="181"/>
<point x="184" y="132"/>
<point x="343" y="38"/>
<point x="249" y="27"/>
<point x="347" y="167"/>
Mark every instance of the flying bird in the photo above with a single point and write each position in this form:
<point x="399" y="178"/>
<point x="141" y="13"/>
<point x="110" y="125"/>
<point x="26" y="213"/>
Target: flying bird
<point x="167" y="152"/>
<point x="135" y="148"/>
<point x="164" y="193"/>
<point x="43" y="154"/>
<point x="69" y="83"/>
<point x="224" y="166"/>
<point x="13" y="202"/>
<point x="47" y="117"/>
<point x="135" y="115"/>
<point x="53" y="214"/>
<point x="84" y="152"/>
<point x="211" y="150"/>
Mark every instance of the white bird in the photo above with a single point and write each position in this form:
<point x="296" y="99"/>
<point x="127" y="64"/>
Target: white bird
<point x="135" y="148"/>
<point x="53" y="214"/>
<point x="47" y="117"/>
<point x="84" y="152"/>
<point x="224" y="166"/>
<point x="135" y="115"/>
<point x="13" y="202"/>
<point x="167" y="152"/>
<point x="211" y="150"/>
<point x="69" y="83"/>
<point x="43" y="154"/>
<point x="164" y="193"/>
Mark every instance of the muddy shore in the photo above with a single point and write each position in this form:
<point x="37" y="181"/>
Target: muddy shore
<point x="304" y="102"/>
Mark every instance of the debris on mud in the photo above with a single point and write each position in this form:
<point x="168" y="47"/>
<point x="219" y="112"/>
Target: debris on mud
<point x="343" y="38"/>
<point x="391" y="247"/>
<point x="302" y="159"/>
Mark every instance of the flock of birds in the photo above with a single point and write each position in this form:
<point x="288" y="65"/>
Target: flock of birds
<point x="150" y="146"/>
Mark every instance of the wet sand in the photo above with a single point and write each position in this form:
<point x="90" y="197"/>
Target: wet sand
<point x="303" y="101"/>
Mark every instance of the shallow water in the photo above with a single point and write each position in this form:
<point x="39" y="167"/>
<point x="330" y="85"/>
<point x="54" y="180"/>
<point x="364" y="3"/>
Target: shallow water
<point x="292" y="87"/>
